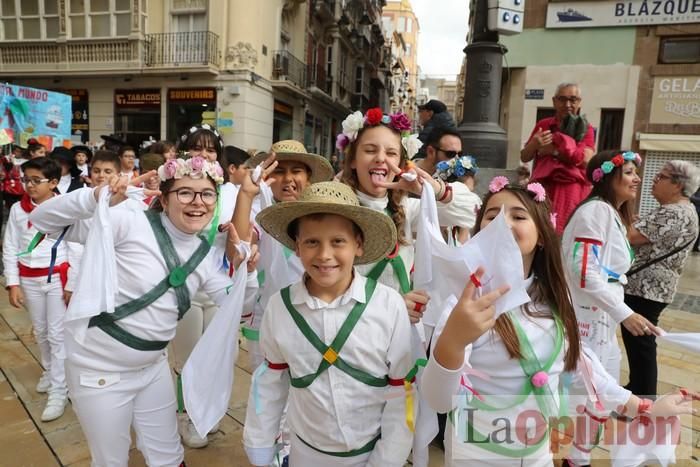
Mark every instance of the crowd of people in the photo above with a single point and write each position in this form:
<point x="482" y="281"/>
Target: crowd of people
<point x="138" y="280"/>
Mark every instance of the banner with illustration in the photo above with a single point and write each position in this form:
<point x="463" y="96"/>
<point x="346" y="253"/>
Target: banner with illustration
<point x="34" y="113"/>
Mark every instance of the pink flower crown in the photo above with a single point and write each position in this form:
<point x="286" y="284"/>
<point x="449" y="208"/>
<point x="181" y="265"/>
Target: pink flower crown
<point x="617" y="161"/>
<point x="535" y="189"/>
<point x="195" y="167"/>
<point x="374" y="116"/>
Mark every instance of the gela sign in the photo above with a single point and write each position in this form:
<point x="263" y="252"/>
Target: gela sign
<point x="588" y="14"/>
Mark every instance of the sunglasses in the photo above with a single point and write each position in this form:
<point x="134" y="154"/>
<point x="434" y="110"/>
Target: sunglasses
<point x="449" y="154"/>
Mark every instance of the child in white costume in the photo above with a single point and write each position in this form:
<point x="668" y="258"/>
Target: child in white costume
<point x="116" y="367"/>
<point x="378" y="149"/>
<point x="295" y="170"/>
<point x="36" y="275"/>
<point x="512" y="364"/>
<point x="340" y="340"/>
<point x="597" y="255"/>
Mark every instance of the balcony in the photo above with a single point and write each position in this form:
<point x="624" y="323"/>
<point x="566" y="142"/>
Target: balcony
<point x="190" y="51"/>
<point x="92" y="56"/>
<point x="324" y="10"/>
<point x="288" y="71"/>
<point x="182" y="49"/>
<point x="318" y="78"/>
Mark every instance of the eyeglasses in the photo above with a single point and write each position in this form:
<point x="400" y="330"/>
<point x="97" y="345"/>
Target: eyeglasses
<point x="187" y="196"/>
<point x="570" y="99"/>
<point x="449" y="154"/>
<point x="660" y="176"/>
<point x="33" y="180"/>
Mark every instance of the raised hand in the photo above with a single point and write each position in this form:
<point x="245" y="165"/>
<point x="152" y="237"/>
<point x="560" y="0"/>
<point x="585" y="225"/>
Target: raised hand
<point x="416" y="186"/>
<point x="251" y="184"/>
<point x="416" y="300"/>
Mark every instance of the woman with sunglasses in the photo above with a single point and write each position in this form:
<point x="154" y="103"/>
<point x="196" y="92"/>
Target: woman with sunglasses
<point x="561" y="147"/>
<point x="117" y="368"/>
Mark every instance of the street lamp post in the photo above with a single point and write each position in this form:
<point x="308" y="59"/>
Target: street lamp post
<point x="480" y="130"/>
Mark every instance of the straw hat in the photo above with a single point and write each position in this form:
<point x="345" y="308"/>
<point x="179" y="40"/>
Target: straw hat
<point x="377" y="228"/>
<point x="291" y="150"/>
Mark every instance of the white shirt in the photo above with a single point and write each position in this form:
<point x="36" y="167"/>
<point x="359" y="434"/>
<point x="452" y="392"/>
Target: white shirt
<point x="64" y="183"/>
<point x="140" y="266"/>
<point x="502" y="376"/>
<point x="84" y="170"/>
<point x="18" y="235"/>
<point x="598" y="221"/>
<point x="336" y="412"/>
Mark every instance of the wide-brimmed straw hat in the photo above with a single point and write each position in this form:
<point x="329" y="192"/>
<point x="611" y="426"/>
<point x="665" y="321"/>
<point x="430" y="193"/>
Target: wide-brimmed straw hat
<point x="291" y="150"/>
<point x="378" y="230"/>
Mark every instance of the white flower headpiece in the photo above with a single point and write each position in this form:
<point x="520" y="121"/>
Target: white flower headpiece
<point x="400" y="122"/>
<point x="196" y="167"/>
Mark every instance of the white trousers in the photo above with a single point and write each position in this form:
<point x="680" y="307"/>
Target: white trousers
<point x="191" y="327"/>
<point x="301" y="455"/>
<point x="108" y="404"/>
<point x="598" y="332"/>
<point x="44" y="302"/>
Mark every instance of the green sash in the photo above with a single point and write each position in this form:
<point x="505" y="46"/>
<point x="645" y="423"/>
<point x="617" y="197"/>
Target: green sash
<point x="176" y="280"/>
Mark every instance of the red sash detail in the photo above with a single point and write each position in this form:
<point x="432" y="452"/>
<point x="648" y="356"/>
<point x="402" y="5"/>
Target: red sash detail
<point x="27" y="206"/>
<point x="276" y="366"/>
<point x="60" y="269"/>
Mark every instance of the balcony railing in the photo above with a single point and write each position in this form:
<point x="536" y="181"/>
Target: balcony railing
<point x="287" y="67"/>
<point x="182" y="48"/>
<point x="318" y="78"/>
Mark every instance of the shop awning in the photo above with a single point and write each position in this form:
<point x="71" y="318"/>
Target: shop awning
<point x="669" y="143"/>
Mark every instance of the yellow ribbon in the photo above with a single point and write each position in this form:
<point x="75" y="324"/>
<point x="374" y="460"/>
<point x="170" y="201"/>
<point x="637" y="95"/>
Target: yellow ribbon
<point x="409" y="405"/>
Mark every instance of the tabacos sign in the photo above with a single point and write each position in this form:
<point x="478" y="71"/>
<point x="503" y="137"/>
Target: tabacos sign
<point x="676" y="99"/>
<point x="591" y="14"/>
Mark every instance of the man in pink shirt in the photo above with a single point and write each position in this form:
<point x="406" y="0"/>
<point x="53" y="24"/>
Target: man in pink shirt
<point x="561" y="146"/>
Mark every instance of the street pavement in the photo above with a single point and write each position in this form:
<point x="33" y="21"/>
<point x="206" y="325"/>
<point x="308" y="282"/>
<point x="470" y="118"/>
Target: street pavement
<point x="26" y="441"/>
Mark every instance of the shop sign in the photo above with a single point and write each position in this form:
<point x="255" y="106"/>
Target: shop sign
<point x="137" y="97"/>
<point x="536" y="94"/>
<point x="191" y="94"/>
<point x="676" y="99"/>
<point x="591" y="14"/>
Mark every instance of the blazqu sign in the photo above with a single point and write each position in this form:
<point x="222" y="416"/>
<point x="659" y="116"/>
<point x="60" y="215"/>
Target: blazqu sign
<point x="676" y="99"/>
<point x="591" y="14"/>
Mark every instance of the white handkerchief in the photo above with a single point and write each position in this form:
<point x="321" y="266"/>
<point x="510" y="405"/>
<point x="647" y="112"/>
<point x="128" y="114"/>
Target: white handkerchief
<point x="689" y="340"/>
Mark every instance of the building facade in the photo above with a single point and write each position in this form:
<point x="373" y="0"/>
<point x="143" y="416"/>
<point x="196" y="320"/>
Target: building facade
<point x="401" y="29"/>
<point x="259" y="71"/>
<point x="639" y="72"/>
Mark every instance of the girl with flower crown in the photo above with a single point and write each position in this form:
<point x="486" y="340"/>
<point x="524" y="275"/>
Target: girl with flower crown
<point x="377" y="150"/>
<point x="149" y="264"/>
<point x="511" y="365"/>
<point x="597" y="255"/>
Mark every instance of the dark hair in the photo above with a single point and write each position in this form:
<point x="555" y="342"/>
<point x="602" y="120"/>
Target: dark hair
<point x="395" y="196"/>
<point x="234" y="156"/>
<point x="437" y="134"/>
<point x="110" y="157"/>
<point x="202" y="135"/>
<point x="604" y="189"/>
<point x="123" y="149"/>
<point x="293" y="227"/>
<point x="549" y="286"/>
<point x="32" y="145"/>
<point x="49" y="168"/>
<point x="161" y="147"/>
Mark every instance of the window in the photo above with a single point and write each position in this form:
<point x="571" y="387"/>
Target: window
<point x="401" y="26"/>
<point x="329" y="62"/>
<point x="610" y="132"/>
<point x="359" y="78"/>
<point x="100" y="18"/>
<point x="680" y="50"/>
<point x="387" y="25"/>
<point x="544" y="112"/>
<point x="408" y="50"/>
<point x="29" y="19"/>
<point x="190" y="22"/>
<point x="409" y="25"/>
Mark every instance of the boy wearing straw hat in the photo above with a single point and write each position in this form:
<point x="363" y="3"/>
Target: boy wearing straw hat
<point x="335" y="343"/>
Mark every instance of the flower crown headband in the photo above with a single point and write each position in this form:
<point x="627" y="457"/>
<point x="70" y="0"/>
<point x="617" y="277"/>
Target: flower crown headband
<point x="375" y="116"/>
<point x="617" y="161"/>
<point x="204" y="126"/>
<point x="457" y="166"/>
<point x="535" y="189"/>
<point x="195" y="167"/>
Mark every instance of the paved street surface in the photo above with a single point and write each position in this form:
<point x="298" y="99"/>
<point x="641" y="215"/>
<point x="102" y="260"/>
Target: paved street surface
<point x="26" y="441"/>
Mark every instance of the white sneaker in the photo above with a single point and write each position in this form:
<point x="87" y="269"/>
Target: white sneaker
<point x="44" y="383"/>
<point x="214" y="429"/>
<point x="189" y="435"/>
<point x="55" y="407"/>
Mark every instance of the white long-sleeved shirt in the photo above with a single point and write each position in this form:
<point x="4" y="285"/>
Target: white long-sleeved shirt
<point x="491" y="372"/>
<point x="18" y="235"/>
<point x="336" y="412"/>
<point x="597" y="220"/>
<point x="140" y="267"/>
